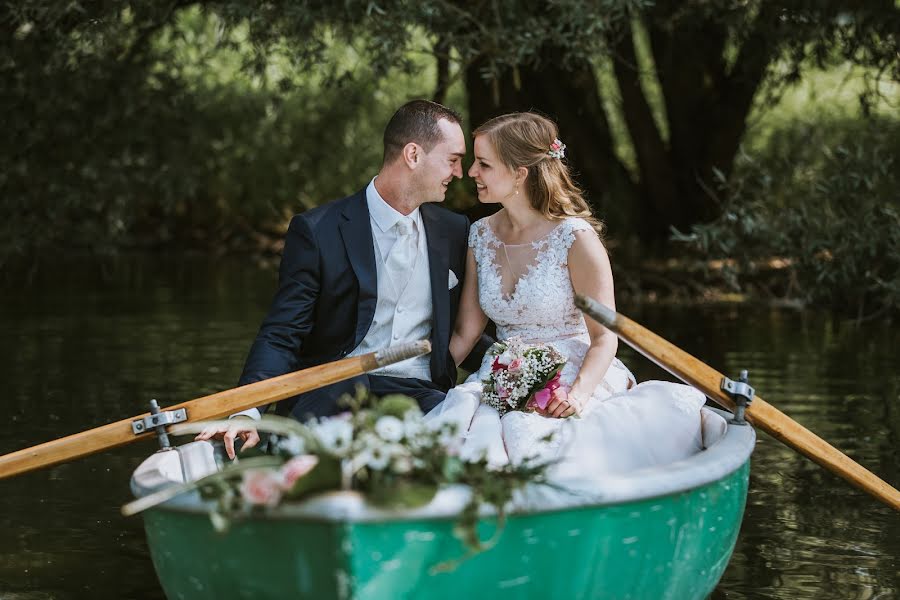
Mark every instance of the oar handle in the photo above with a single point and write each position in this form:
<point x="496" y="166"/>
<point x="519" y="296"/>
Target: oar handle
<point x="760" y="413"/>
<point x="214" y="406"/>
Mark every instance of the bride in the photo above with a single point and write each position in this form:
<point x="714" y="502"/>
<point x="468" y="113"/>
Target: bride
<point x="525" y="265"/>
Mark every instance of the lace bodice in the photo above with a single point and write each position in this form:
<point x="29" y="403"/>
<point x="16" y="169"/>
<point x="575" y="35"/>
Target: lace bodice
<point x="623" y="427"/>
<point x="530" y="295"/>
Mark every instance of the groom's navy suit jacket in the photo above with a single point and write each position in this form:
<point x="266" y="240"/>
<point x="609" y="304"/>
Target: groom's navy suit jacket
<point x="327" y="289"/>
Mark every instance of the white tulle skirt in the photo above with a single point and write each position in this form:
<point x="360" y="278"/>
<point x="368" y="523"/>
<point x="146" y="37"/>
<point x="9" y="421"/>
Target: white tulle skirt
<point x="624" y="427"/>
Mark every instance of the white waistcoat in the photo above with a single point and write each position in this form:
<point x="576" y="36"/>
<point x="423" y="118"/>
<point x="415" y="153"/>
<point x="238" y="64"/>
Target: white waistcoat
<point x="402" y="316"/>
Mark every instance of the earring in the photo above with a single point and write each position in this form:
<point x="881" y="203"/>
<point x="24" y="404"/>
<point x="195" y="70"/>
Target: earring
<point x="517" y="189"/>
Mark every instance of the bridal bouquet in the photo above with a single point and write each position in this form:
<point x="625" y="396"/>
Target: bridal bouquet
<point x="523" y="376"/>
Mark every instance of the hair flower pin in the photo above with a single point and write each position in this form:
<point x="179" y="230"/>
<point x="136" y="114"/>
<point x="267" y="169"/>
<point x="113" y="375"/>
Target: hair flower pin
<point x="557" y="149"/>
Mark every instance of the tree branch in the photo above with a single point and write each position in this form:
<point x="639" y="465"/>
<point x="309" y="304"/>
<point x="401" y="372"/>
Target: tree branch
<point x="442" y="56"/>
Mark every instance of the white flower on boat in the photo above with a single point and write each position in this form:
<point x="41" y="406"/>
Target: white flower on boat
<point x="292" y="445"/>
<point x="383" y="449"/>
<point x="449" y="439"/>
<point x="389" y="428"/>
<point x="414" y="428"/>
<point x="402" y="464"/>
<point x="335" y="434"/>
<point x="374" y="457"/>
<point x="373" y="452"/>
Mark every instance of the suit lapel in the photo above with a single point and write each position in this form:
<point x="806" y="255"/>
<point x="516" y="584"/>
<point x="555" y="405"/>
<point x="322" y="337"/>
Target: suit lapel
<point x="439" y="267"/>
<point x="356" y="231"/>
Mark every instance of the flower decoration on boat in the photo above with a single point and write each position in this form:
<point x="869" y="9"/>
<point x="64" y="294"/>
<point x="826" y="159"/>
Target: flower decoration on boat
<point x="381" y="448"/>
<point x="523" y="376"/>
<point x="557" y="149"/>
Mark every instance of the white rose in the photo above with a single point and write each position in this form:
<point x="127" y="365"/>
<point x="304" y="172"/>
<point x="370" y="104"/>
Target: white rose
<point x="402" y="464"/>
<point x="336" y="434"/>
<point x="389" y="428"/>
<point x="378" y="458"/>
<point x="292" y="444"/>
<point x="413" y="425"/>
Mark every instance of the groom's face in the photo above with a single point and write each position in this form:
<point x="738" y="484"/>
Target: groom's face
<point x="442" y="164"/>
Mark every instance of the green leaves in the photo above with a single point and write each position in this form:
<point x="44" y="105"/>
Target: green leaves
<point x="822" y="208"/>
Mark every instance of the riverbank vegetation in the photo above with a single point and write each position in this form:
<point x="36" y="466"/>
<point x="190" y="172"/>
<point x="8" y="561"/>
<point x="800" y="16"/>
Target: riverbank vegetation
<point x="745" y="150"/>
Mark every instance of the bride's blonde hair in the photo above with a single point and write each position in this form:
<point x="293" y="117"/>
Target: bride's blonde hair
<point x="523" y="140"/>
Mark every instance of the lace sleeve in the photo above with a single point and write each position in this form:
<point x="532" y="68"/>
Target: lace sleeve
<point x="473" y="234"/>
<point x="477" y="240"/>
<point x="569" y="228"/>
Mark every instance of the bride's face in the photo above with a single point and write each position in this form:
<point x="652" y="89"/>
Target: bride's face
<point x="494" y="181"/>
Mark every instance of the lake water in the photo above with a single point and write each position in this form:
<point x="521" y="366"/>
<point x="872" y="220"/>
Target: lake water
<point x="84" y="345"/>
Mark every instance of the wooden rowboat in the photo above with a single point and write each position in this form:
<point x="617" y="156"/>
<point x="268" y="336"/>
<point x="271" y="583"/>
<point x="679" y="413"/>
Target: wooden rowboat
<point x="662" y="532"/>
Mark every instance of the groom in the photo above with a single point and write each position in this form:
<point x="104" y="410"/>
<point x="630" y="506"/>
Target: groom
<point x="378" y="268"/>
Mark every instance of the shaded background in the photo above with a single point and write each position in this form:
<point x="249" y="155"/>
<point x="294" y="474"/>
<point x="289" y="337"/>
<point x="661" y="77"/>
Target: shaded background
<point x="761" y="133"/>
<point x="744" y="155"/>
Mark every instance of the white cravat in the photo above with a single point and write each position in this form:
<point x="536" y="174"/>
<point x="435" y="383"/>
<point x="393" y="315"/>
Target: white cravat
<point x="401" y="260"/>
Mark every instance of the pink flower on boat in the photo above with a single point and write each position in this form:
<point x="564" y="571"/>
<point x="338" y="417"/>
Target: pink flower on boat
<point x="296" y="468"/>
<point x="261" y="487"/>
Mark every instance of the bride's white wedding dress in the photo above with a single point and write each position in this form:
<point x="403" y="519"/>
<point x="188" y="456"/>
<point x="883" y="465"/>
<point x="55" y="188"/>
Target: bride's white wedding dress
<point x="526" y="291"/>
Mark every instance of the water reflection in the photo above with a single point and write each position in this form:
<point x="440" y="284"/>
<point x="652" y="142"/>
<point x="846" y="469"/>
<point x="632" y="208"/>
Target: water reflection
<point x="84" y="346"/>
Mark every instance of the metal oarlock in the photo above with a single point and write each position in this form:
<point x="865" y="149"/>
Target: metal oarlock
<point x="742" y="394"/>
<point x="158" y="420"/>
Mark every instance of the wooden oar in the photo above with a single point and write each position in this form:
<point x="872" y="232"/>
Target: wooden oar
<point x="213" y="406"/>
<point x="760" y="413"/>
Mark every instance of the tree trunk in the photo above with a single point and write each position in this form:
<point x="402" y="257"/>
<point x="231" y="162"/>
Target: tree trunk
<point x="707" y="103"/>
<point x="658" y="190"/>
<point x="442" y="59"/>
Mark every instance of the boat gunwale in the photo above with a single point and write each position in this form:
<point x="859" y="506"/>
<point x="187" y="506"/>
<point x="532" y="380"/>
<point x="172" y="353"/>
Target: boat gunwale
<point x="715" y="463"/>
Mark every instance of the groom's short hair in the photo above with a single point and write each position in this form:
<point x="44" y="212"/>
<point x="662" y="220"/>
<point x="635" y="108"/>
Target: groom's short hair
<point x="416" y="121"/>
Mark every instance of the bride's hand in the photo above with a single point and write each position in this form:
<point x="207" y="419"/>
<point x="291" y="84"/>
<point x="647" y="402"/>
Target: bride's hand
<point x="561" y="405"/>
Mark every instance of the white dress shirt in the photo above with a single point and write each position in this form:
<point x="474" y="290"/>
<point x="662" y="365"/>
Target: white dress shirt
<point x="401" y="315"/>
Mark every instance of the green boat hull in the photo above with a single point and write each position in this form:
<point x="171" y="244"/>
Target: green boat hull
<point x="675" y="546"/>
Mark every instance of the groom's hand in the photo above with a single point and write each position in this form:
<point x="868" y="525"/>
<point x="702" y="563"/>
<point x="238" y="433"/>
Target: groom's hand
<point x="236" y="428"/>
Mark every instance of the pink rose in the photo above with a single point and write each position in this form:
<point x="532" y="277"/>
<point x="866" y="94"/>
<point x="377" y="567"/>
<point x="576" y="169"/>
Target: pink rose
<point x="515" y="365"/>
<point x="502" y="392"/>
<point x="542" y="397"/>
<point x="296" y="468"/>
<point x="261" y="487"/>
